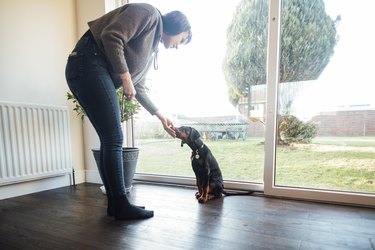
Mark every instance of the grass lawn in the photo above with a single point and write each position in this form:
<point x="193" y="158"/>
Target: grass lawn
<point x="341" y="163"/>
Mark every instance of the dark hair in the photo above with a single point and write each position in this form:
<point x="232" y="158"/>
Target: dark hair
<point x="176" y="22"/>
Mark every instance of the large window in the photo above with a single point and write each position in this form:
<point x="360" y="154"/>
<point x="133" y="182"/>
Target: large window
<point x="337" y="103"/>
<point x="325" y="115"/>
<point x="304" y="116"/>
<point x="190" y="87"/>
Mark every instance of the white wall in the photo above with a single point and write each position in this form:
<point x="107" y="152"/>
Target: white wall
<point x="36" y="38"/>
<point x="88" y="10"/>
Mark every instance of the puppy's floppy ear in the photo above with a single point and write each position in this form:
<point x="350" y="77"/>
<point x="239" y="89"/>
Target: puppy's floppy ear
<point x="194" y="134"/>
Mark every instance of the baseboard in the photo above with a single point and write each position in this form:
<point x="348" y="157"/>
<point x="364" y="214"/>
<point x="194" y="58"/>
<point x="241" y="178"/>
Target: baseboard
<point x="93" y="176"/>
<point x="18" y="189"/>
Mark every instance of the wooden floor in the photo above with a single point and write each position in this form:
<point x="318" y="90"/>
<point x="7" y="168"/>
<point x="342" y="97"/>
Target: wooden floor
<point x="75" y="218"/>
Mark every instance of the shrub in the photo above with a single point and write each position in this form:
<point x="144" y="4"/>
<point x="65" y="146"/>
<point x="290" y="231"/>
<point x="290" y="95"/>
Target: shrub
<point x="291" y="129"/>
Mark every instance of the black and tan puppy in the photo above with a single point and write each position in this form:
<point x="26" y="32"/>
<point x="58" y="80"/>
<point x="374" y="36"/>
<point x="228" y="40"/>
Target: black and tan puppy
<point x="209" y="179"/>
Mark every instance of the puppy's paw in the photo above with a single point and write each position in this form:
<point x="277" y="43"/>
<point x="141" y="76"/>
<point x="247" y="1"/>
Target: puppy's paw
<point x="197" y="195"/>
<point x="202" y="199"/>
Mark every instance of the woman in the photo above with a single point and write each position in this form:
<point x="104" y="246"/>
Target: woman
<point x="117" y="51"/>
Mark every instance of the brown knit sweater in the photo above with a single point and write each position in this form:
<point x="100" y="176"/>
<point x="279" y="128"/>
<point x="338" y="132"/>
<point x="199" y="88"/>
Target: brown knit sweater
<point x="129" y="36"/>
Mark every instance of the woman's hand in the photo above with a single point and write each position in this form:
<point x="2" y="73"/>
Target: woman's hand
<point x="167" y="124"/>
<point x="127" y="86"/>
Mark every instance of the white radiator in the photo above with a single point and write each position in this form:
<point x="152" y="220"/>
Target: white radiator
<point x="34" y="142"/>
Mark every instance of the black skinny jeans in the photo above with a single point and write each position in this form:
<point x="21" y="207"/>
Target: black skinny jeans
<point x="89" y="80"/>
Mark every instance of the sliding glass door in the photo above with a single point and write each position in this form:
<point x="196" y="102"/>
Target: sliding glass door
<point x="194" y="86"/>
<point x="324" y="132"/>
<point x="281" y="93"/>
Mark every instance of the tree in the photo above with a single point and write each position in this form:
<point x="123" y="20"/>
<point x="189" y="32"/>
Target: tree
<point x="308" y="38"/>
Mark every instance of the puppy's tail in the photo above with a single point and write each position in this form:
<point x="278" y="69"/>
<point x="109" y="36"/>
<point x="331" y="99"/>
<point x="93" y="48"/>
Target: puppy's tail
<point x="233" y="193"/>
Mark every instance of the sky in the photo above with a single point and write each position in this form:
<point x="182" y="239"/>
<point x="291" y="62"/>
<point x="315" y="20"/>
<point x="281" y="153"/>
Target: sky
<point x="348" y="79"/>
<point x="190" y="81"/>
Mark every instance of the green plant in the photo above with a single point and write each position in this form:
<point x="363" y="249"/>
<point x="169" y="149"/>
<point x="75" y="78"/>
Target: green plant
<point x="130" y="108"/>
<point x="77" y="107"/>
